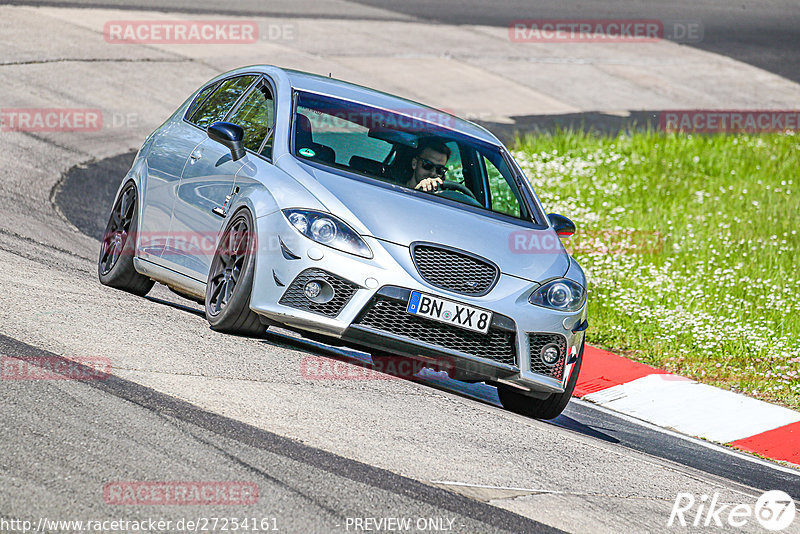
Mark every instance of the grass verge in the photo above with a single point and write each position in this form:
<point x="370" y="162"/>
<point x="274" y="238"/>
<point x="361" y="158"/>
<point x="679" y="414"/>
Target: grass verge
<point x="690" y="245"/>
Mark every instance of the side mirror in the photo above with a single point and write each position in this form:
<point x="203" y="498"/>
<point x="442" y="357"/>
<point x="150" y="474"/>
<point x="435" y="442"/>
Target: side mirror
<point x="563" y="226"/>
<point x="230" y="135"/>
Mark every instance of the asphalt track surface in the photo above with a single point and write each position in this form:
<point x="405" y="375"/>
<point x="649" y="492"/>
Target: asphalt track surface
<point x="765" y="34"/>
<point x="144" y="433"/>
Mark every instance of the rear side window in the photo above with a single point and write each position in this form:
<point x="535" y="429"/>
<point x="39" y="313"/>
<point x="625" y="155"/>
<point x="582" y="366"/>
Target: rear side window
<point x="216" y="106"/>
<point x="201" y="97"/>
<point x="256" y="115"/>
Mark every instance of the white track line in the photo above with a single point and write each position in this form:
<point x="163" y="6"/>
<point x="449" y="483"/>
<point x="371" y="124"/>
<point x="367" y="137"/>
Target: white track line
<point x="696" y="441"/>
<point x="693" y="408"/>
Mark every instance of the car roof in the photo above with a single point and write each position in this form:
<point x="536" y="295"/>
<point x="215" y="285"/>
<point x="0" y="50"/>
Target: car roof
<point x="306" y="81"/>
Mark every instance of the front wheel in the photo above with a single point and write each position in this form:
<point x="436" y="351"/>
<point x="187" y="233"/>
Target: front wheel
<point x="115" y="264"/>
<point x="230" y="280"/>
<point x="551" y="407"/>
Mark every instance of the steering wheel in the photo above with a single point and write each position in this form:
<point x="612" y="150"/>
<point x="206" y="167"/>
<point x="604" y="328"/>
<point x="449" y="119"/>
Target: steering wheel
<point x="455" y="186"/>
<point x="456" y="191"/>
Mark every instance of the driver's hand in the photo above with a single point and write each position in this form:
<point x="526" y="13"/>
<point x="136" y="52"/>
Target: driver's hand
<point x="429" y="184"/>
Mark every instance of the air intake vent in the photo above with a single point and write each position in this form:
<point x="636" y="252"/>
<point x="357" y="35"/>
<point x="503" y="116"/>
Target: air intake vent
<point x="454" y="270"/>
<point x="538" y="365"/>
<point x="294" y="296"/>
<point x="390" y="316"/>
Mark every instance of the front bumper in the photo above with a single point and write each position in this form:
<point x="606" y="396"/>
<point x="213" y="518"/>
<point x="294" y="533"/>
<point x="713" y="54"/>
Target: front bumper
<point x="373" y="312"/>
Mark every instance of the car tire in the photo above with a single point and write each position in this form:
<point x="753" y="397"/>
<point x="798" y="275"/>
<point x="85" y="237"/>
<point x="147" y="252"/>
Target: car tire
<point x="115" y="264"/>
<point x="514" y="400"/>
<point x="230" y="280"/>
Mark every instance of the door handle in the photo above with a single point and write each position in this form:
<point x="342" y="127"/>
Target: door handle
<point x="197" y="154"/>
<point x="219" y="211"/>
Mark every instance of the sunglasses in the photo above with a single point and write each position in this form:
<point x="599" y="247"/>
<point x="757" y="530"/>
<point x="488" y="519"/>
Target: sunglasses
<point x="429" y="165"/>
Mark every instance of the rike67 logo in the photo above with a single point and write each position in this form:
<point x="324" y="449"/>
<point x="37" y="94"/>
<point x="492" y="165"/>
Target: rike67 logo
<point x="775" y="510"/>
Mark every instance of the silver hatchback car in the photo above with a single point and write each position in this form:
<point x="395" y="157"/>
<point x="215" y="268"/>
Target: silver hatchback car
<point x="278" y="197"/>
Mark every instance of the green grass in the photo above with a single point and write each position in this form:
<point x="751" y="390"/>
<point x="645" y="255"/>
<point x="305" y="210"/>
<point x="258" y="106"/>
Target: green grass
<point x="690" y="244"/>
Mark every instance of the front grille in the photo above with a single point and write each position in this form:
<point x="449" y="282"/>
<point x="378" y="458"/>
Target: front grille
<point x="295" y="297"/>
<point x="537" y="343"/>
<point x="391" y="316"/>
<point x="454" y="270"/>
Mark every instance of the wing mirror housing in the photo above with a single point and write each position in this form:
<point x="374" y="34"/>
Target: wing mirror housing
<point x="230" y="135"/>
<point x="563" y="226"/>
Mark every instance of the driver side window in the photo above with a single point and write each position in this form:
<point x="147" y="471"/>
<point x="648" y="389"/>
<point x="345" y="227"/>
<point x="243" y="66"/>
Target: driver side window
<point x="455" y="171"/>
<point x="504" y="196"/>
<point x="256" y="115"/>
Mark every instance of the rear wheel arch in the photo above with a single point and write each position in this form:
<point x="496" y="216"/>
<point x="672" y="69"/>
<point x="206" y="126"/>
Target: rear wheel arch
<point x="115" y="266"/>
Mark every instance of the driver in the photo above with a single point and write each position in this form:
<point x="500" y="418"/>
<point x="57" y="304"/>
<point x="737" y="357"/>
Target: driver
<point x="428" y="166"/>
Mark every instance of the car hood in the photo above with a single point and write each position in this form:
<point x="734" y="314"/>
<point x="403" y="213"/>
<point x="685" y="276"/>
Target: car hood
<point x="401" y="217"/>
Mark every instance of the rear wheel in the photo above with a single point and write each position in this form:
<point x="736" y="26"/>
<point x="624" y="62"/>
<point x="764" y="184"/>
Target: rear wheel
<point x="230" y="280"/>
<point x="514" y="400"/>
<point x="115" y="265"/>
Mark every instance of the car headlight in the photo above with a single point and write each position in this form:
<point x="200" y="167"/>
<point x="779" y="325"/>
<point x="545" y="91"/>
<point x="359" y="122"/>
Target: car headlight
<point x="561" y="294"/>
<point x="323" y="230"/>
<point x="327" y="230"/>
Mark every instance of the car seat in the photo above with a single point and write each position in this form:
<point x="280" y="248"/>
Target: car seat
<point x="303" y="138"/>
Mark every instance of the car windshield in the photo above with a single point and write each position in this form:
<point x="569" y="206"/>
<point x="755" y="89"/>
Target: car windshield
<point x="406" y="150"/>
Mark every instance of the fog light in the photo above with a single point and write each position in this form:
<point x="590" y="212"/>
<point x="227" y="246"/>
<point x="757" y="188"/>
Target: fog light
<point x="319" y="291"/>
<point x="312" y="290"/>
<point x="550" y="354"/>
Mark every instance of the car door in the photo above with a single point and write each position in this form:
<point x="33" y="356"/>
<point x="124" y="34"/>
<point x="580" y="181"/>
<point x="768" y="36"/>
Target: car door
<point x="207" y="185"/>
<point x="165" y="161"/>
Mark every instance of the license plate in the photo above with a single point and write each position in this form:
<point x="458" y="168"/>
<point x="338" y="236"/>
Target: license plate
<point x="447" y="311"/>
